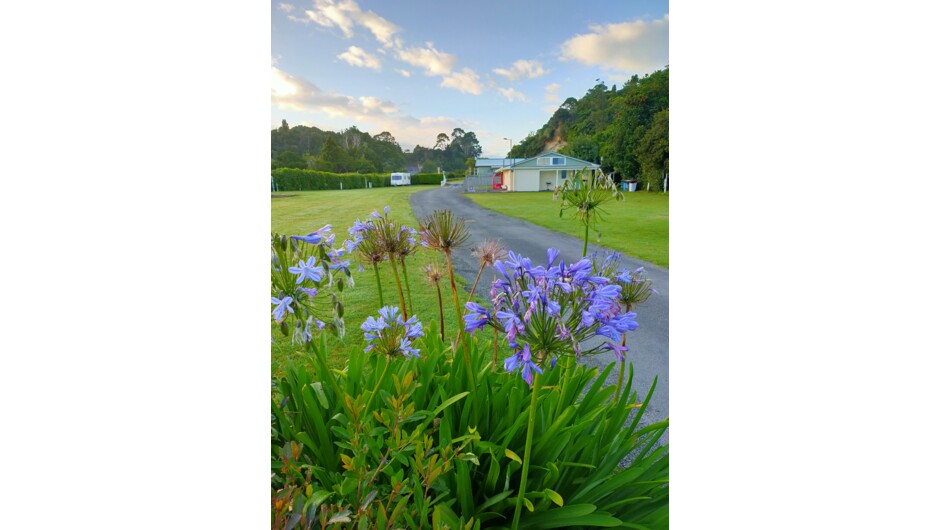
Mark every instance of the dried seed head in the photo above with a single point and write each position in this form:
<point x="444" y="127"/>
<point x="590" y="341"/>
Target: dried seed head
<point x="489" y="252"/>
<point x="443" y="232"/>
<point x="432" y="273"/>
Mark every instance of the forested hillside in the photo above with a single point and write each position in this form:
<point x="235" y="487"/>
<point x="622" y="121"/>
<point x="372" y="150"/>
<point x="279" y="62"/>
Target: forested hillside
<point x="355" y="151"/>
<point x="628" y="127"/>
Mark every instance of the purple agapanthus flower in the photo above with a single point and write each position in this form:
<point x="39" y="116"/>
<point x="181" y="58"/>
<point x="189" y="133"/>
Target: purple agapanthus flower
<point x="342" y="266"/>
<point x="477" y="317"/>
<point x="404" y="347"/>
<point x="311" y="293"/>
<point x="413" y="328"/>
<point x="522" y="359"/>
<point x="358" y="228"/>
<point x="314" y="237"/>
<point x="307" y="270"/>
<point x="282" y="305"/>
<point x="618" y="350"/>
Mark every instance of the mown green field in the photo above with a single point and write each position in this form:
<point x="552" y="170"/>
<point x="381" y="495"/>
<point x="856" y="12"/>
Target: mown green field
<point x="638" y="226"/>
<point x="302" y="212"/>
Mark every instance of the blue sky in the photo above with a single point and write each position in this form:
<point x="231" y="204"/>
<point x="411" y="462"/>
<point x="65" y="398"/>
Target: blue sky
<point x="417" y="68"/>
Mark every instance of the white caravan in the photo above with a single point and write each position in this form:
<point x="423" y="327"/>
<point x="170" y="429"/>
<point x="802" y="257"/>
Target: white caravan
<point x="401" y="179"/>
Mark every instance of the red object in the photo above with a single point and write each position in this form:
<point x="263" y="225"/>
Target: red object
<point x="497" y="181"/>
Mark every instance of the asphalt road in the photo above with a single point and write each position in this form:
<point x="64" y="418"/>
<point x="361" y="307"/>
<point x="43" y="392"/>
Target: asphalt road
<point x="649" y="344"/>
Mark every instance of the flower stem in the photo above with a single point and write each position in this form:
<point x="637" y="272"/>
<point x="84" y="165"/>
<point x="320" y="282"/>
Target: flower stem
<point x="470" y="298"/>
<point x="378" y="283"/>
<point x="440" y="309"/>
<point x="466" y="353"/>
<point x="528" y="453"/>
<point x="623" y="342"/>
<point x="401" y="294"/>
<point x="453" y="288"/>
<point x="404" y="270"/>
<point x="586" y="225"/>
<point x="495" y="346"/>
<point x="378" y="383"/>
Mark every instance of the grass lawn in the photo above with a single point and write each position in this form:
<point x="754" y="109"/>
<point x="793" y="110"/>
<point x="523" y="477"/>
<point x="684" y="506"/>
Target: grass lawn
<point x="638" y="226"/>
<point x="302" y="212"/>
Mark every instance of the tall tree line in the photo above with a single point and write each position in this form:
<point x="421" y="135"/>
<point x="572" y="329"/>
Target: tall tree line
<point x="625" y="130"/>
<point x="355" y="151"/>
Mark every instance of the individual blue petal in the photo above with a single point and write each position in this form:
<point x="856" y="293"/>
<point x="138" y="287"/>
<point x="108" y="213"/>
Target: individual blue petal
<point x="552" y="256"/>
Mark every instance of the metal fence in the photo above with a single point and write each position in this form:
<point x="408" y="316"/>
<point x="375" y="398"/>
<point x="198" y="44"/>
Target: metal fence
<point x="474" y="183"/>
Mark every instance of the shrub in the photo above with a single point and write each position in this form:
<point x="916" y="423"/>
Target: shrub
<point x="427" y="178"/>
<point x="288" y="179"/>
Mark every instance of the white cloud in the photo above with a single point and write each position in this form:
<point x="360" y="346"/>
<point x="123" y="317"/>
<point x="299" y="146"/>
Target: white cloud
<point x="512" y="94"/>
<point x="346" y="15"/>
<point x="370" y="102"/>
<point x="434" y="62"/>
<point x="638" y="47"/>
<point x="382" y="29"/>
<point x="368" y="113"/>
<point x="465" y="81"/>
<point x="358" y="57"/>
<point x="287" y="8"/>
<point x="522" y="69"/>
<point x="551" y="92"/>
<point x="294" y="93"/>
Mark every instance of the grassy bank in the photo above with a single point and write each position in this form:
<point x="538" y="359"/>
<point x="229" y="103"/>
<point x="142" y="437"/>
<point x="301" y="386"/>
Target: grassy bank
<point x="638" y="226"/>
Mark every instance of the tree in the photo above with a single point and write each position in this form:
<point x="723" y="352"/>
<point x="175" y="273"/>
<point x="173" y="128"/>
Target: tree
<point x="429" y="167"/>
<point x="386" y="137"/>
<point x="442" y="140"/>
<point x="653" y="151"/>
<point x="289" y="159"/>
<point x="333" y="158"/>
<point x="582" y="147"/>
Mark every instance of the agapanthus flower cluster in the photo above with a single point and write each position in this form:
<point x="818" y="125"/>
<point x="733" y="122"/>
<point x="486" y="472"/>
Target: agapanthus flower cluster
<point x="635" y="288"/>
<point x="551" y="310"/>
<point x="390" y="334"/>
<point x="379" y="240"/>
<point x="387" y="240"/>
<point x="302" y="268"/>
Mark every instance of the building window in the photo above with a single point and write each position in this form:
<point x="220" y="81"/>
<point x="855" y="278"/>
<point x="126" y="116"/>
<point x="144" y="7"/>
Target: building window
<point x="551" y="161"/>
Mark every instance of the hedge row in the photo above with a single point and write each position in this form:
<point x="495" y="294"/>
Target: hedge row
<point x="289" y="179"/>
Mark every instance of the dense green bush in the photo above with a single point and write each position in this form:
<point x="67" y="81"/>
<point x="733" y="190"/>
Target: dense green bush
<point x="409" y="442"/>
<point x="288" y="179"/>
<point x="426" y="178"/>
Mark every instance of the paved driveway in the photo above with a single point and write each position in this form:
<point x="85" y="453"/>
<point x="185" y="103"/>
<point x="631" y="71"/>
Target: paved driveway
<point x="649" y="345"/>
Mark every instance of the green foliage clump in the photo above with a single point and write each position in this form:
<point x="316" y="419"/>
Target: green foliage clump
<point x="396" y="442"/>
<point x="287" y="179"/>
<point x="292" y="179"/>
<point x="426" y="178"/>
<point x="355" y="151"/>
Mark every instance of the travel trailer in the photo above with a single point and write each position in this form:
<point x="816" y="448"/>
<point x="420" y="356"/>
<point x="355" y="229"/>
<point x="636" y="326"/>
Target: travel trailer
<point x="401" y="179"/>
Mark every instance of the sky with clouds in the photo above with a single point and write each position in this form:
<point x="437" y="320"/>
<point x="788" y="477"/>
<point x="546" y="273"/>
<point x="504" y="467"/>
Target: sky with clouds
<point x="419" y="68"/>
